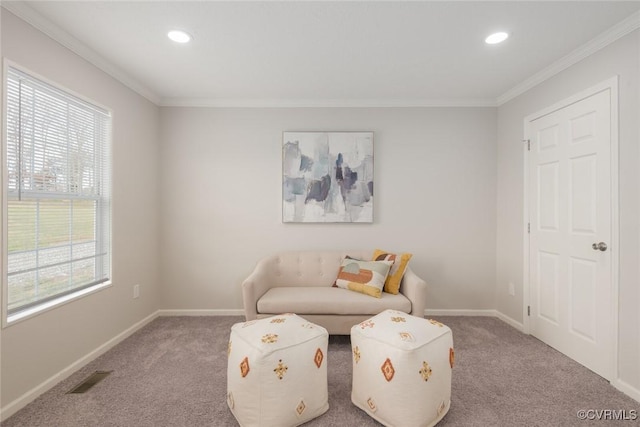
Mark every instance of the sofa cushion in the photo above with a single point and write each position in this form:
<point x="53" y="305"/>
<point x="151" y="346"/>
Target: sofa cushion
<point x="400" y="262"/>
<point x="328" y="300"/>
<point x="366" y="277"/>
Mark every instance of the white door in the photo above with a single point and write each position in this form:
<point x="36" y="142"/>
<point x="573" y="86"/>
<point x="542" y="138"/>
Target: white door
<point x="570" y="227"/>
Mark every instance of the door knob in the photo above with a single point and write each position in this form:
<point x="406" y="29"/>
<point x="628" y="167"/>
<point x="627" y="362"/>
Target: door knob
<point x="602" y="246"/>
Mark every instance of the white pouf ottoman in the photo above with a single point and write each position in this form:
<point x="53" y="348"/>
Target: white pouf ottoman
<point x="277" y="371"/>
<point x="402" y="369"/>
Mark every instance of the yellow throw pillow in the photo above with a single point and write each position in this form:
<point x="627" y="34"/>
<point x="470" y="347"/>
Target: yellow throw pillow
<point x="366" y="277"/>
<point x="400" y="262"/>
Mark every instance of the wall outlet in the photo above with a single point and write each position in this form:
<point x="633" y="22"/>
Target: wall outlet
<point x="136" y="291"/>
<point x="512" y="289"/>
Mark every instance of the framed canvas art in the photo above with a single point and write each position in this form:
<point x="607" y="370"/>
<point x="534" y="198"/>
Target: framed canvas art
<point x="327" y="177"/>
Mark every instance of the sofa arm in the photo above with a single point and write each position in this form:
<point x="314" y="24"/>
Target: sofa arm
<point x="414" y="288"/>
<point x="254" y="286"/>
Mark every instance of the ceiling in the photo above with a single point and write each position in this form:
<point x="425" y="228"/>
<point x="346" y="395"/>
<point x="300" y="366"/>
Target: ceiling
<point x="301" y="53"/>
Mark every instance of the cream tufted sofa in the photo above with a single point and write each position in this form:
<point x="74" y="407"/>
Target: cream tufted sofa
<point x="301" y="283"/>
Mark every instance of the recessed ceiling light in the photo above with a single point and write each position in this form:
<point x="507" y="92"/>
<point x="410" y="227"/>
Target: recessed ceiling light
<point x="496" y="38"/>
<point x="179" y="36"/>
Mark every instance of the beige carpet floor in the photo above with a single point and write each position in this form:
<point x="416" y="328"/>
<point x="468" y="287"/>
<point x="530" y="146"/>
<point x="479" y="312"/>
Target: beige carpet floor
<point x="173" y="373"/>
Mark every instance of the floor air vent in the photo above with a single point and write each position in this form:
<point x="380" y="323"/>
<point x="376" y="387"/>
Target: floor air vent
<point x="92" y="380"/>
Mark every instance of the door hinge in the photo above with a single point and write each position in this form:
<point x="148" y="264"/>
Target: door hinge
<point x="528" y="141"/>
<point x="528" y="227"/>
<point x="528" y="310"/>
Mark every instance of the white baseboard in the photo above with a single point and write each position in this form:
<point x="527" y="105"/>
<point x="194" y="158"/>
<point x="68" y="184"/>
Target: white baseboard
<point x="32" y="394"/>
<point x="427" y="312"/>
<point x="483" y="313"/>
<point x="459" y="312"/>
<point x="627" y="389"/>
<point x="510" y="321"/>
<point x="211" y="312"/>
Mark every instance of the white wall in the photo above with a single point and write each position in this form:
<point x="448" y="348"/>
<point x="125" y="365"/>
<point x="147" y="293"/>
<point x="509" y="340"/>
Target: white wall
<point x="221" y="198"/>
<point x="37" y="348"/>
<point x="620" y="58"/>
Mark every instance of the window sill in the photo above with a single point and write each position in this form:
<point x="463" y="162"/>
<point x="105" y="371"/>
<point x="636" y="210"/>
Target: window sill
<point x="49" y="305"/>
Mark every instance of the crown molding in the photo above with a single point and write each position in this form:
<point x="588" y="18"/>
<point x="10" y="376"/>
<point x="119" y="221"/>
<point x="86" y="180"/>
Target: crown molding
<point x="613" y="34"/>
<point x="32" y="17"/>
<point x="324" y="103"/>
<point x="28" y="14"/>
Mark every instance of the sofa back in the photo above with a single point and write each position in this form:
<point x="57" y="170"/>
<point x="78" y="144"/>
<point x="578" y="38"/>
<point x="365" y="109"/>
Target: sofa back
<point x="309" y="268"/>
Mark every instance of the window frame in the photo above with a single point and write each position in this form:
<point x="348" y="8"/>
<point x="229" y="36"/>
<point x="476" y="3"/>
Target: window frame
<point x="50" y="303"/>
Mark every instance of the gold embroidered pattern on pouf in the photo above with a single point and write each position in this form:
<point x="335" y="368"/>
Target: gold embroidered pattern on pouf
<point x="398" y="319"/>
<point x="356" y="354"/>
<point x="452" y="357"/>
<point x="318" y="358"/>
<point x="300" y="408"/>
<point x="372" y="405"/>
<point x="426" y="371"/>
<point x="278" y="320"/>
<point x="435" y="322"/>
<point x="387" y="370"/>
<point x="244" y="367"/>
<point x="406" y="336"/>
<point x="270" y="338"/>
<point x="281" y="369"/>
<point x="367" y="324"/>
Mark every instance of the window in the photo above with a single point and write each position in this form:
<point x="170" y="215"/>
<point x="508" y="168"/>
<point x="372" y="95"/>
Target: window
<point x="58" y="191"/>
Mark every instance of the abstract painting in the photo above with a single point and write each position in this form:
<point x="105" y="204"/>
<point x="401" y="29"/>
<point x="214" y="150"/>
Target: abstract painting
<point x="327" y="177"/>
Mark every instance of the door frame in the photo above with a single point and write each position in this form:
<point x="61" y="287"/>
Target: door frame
<point x="610" y="84"/>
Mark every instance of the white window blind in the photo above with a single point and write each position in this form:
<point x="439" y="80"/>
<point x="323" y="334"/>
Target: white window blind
<point x="58" y="193"/>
